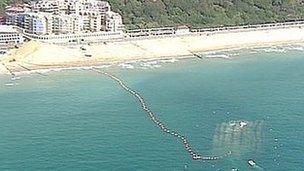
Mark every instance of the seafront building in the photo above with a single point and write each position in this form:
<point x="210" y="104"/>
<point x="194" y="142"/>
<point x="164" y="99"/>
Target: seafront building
<point x="92" y="21"/>
<point x="55" y="17"/>
<point x="9" y="36"/>
<point x="2" y="20"/>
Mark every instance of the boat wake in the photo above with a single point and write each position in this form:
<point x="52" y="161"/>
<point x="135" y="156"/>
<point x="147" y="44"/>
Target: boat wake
<point x="257" y="167"/>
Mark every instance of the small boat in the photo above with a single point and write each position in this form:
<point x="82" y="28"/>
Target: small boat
<point x="15" y="78"/>
<point x="9" y="84"/>
<point x="251" y="162"/>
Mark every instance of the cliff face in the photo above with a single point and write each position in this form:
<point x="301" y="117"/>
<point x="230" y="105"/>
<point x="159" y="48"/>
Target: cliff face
<point x="200" y="13"/>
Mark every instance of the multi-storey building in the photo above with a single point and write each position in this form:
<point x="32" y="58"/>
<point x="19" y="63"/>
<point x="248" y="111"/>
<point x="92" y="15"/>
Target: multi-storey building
<point x="2" y="20"/>
<point x="63" y="24"/>
<point x="47" y="17"/>
<point x="9" y="36"/>
<point x="113" y="22"/>
<point x="13" y="14"/>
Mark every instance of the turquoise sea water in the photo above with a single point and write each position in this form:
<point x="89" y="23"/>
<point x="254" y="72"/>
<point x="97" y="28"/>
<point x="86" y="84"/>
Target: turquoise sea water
<point x="80" y="120"/>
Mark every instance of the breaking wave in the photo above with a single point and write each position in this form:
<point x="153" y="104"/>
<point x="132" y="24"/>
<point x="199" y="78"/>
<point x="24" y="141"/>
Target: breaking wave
<point x="149" y="64"/>
<point x="280" y="49"/>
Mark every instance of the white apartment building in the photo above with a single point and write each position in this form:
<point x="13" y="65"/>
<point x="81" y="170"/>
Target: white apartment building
<point x="9" y="36"/>
<point x="113" y="22"/>
<point x="63" y="24"/>
<point x="46" y="17"/>
<point x="33" y="23"/>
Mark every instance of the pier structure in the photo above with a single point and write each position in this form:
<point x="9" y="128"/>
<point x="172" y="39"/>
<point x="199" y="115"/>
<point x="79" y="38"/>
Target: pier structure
<point x="156" y="121"/>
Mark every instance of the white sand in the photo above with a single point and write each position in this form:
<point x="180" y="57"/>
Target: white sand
<point x="3" y="69"/>
<point x="33" y="54"/>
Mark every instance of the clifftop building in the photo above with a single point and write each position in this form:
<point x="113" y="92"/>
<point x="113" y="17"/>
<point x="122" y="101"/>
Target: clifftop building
<point x="47" y="17"/>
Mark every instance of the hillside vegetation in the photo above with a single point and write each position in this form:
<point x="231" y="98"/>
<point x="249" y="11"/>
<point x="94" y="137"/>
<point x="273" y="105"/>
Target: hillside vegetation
<point x="4" y="3"/>
<point x="206" y="13"/>
<point x="201" y="13"/>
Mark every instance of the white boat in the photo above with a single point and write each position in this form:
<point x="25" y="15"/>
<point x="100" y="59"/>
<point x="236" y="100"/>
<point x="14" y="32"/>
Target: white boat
<point x="9" y="84"/>
<point x="15" y="78"/>
<point x="251" y="162"/>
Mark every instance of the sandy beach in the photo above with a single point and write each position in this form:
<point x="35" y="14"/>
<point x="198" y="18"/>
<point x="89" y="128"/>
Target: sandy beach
<point x="35" y="55"/>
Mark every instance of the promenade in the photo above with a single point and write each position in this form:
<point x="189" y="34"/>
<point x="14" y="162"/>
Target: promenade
<point x="182" y="43"/>
<point x="137" y="34"/>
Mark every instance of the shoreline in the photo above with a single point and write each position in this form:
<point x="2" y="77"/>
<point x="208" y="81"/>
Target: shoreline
<point x="66" y="67"/>
<point x="41" y="56"/>
<point x="57" y="68"/>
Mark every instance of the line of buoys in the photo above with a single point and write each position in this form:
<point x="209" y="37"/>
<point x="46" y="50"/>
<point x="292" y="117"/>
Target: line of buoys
<point x="194" y="155"/>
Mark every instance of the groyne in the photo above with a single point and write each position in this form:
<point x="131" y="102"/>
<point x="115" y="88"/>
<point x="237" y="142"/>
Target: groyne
<point x="195" y="155"/>
<point x="9" y="70"/>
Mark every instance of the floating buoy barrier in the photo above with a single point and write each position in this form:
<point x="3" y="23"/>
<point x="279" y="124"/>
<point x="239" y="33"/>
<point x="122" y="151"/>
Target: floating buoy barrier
<point x="193" y="154"/>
